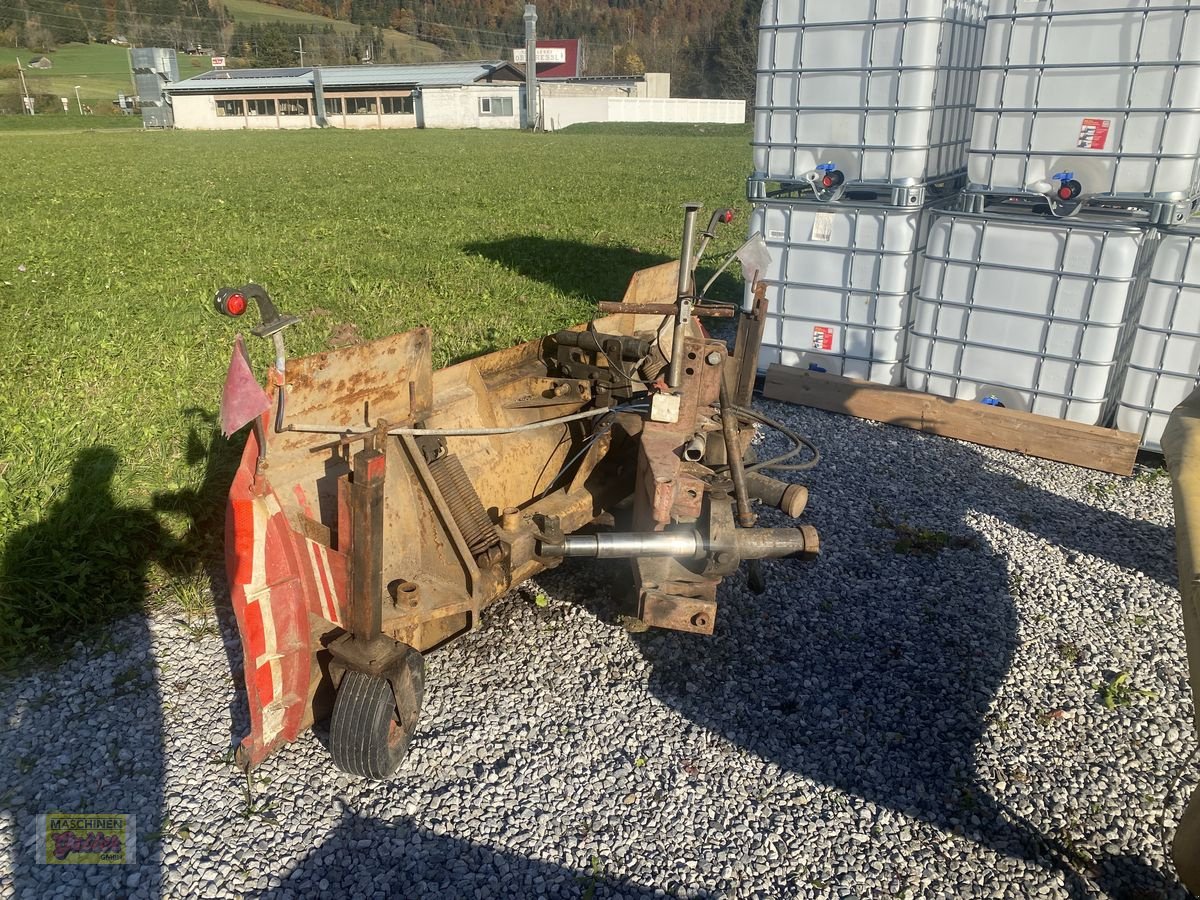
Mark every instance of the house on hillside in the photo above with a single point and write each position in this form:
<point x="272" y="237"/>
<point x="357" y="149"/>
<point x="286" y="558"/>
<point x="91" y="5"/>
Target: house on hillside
<point x="40" y="62"/>
<point x="478" y="94"/>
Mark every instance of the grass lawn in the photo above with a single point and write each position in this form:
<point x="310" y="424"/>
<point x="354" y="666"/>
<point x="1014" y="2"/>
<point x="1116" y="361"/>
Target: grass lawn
<point x="112" y="244"/>
<point x="100" y="70"/>
<point x="249" y="11"/>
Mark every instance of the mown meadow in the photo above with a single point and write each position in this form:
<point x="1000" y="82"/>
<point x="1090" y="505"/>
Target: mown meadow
<point x="112" y="243"/>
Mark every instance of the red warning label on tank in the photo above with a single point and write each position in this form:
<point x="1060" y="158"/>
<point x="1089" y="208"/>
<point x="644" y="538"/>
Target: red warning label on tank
<point x="1093" y="134"/>
<point x="822" y="338"/>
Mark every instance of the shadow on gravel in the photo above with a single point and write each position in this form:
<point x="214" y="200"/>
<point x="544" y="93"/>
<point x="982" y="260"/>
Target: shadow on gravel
<point x="872" y="669"/>
<point x="366" y="857"/>
<point x="95" y="747"/>
<point x="203" y="546"/>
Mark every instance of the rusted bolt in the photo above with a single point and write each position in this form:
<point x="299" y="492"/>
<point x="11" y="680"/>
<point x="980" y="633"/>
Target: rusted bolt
<point x="714" y="358"/>
<point x="724" y="558"/>
<point x="700" y="620"/>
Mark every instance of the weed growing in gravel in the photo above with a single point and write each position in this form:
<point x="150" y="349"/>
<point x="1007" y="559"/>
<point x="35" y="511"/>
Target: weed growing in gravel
<point x="915" y="540"/>
<point x="590" y="881"/>
<point x="1100" y="489"/>
<point x="1119" y="692"/>
<point x="256" y="807"/>
<point x="1149" y="477"/>
<point x="1070" y="652"/>
<point x="180" y="831"/>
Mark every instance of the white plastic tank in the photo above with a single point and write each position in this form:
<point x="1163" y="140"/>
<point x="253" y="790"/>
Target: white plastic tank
<point x="1027" y="312"/>
<point x="839" y="286"/>
<point x="1164" y="362"/>
<point x="1104" y="92"/>
<point x="882" y="90"/>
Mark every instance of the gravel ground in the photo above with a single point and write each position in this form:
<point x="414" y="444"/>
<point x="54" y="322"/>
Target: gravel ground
<point x="914" y="714"/>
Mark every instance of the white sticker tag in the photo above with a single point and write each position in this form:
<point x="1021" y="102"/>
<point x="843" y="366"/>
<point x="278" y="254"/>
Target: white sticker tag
<point x="776" y="234"/>
<point x="822" y="229"/>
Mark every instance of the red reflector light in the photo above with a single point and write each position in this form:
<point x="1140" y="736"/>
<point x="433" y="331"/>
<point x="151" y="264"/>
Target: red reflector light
<point x="727" y="216"/>
<point x="1064" y="193"/>
<point x="827" y="181"/>
<point x="235" y="305"/>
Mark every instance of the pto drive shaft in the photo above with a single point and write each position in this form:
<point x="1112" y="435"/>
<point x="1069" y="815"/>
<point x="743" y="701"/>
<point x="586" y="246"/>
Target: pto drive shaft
<point x="748" y="543"/>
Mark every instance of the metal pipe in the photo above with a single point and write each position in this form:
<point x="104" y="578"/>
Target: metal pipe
<point x="748" y="543"/>
<point x="683" y="294"/>
<point x="693" y="451"/>
<point x="531" y="88"/>
<point x="733" y="450"/>
<point x="678" y="544"/>
<point x="466" y="432"/>
<point x="281" y="368"/>
<point x="787" y="498"/>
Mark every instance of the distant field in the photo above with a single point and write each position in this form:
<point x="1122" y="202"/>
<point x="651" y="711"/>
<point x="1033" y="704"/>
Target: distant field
<point x="100" y="70"/>
<point x="247" y="11"/>
<point x="112" y="243"/>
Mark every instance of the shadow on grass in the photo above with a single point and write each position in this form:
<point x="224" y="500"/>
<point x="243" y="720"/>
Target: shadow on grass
<point x="588" y="271"/>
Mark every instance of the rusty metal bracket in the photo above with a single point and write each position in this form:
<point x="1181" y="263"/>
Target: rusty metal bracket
<point x="365" y="619"/>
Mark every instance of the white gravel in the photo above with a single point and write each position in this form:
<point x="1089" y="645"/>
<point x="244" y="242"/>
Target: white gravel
<point x="877" y="723"/>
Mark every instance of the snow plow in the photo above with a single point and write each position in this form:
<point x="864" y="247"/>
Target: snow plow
<point x="381" y="505"/>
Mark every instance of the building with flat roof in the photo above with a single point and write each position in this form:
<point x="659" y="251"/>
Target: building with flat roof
<point x="478" y="94"/>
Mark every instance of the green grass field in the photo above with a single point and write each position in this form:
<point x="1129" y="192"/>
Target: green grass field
<point x="112" y="244"/>
<point x="249" y="11"/>
<point x="100" y="70"/>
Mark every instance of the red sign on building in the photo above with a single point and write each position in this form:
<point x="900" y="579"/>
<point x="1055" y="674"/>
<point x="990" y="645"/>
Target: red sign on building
<point x="555" y="59"/>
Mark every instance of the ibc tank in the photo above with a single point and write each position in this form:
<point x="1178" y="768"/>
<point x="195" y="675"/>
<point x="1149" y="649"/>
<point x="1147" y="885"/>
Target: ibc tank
<point x="881" y="89"/>
<point x="1103" y="93"/>
<point x="839" y="285"/>
<point x="1164" y="364"/>
<point x="1027" y="310"/>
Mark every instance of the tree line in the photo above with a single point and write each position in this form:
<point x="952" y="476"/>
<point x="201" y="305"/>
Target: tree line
<point x="707" y="45"/>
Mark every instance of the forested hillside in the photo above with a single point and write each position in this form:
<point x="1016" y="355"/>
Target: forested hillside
<point x="707" y="45"/>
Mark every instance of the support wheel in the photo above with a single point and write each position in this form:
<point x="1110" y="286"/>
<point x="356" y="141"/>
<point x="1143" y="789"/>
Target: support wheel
<point x="374" y="719"/>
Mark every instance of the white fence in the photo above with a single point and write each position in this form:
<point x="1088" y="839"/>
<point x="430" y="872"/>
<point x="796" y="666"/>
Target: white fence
<point x="559" y="112"/>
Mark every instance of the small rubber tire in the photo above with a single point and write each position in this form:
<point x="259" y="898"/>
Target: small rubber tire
<point x="366" y="736"/>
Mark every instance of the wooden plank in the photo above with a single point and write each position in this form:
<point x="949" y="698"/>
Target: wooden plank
<point x="1105" y="449"/>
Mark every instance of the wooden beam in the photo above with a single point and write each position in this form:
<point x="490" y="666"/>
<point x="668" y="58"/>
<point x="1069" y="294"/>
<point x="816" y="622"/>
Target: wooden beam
<point x="1105" y="449"/>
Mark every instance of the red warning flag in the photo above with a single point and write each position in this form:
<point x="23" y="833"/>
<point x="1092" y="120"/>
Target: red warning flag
<point x="242" y="399"/>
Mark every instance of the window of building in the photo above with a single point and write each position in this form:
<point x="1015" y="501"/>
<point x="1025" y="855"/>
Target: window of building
<point x="260" y="107"/>
<point x="231" y="108"/>
<point x="495" y="106"/>
<point x="293" y="107"/>
<point x="362" y="106"/>
<point x="333" y="106"/>
<point x="397" y="106"/>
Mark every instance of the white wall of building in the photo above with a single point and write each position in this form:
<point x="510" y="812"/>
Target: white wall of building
<point x="201" y="111"/>
<point x="460" y="107"/>
<point x="560" y="111"/>
<point x="678" y="109"/>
